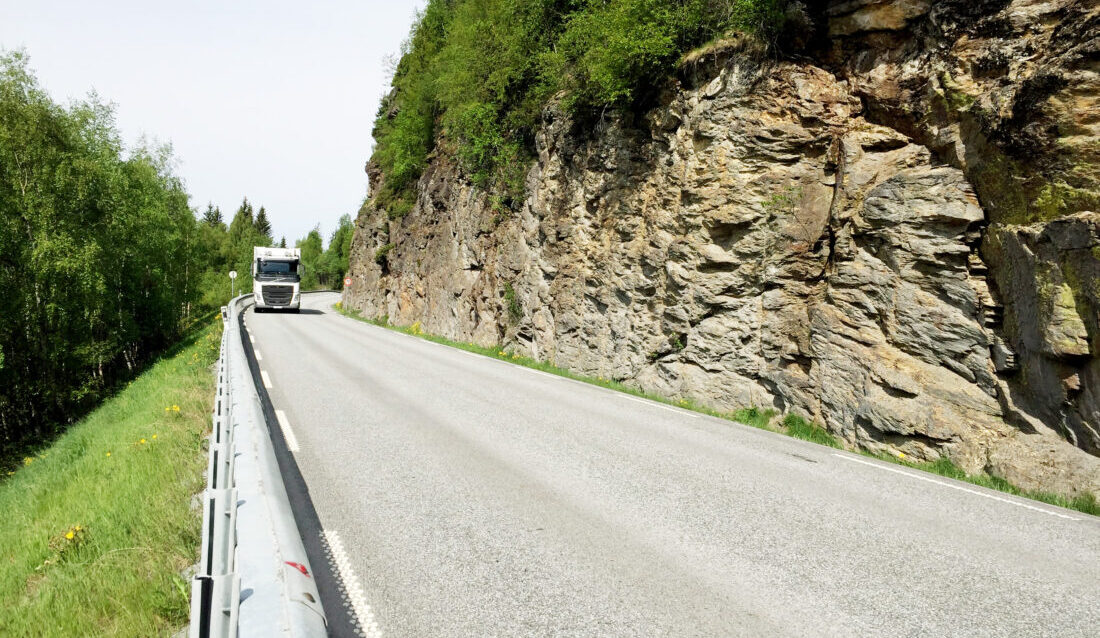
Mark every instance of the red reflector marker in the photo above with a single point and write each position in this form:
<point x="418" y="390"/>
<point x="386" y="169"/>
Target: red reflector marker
<point x="300" y="567"/>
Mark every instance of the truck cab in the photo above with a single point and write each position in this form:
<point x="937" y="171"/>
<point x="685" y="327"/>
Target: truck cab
<point x="276" y="276"/>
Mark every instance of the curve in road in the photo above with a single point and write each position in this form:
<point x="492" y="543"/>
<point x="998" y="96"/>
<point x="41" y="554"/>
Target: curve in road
<point x="464" y="496"/>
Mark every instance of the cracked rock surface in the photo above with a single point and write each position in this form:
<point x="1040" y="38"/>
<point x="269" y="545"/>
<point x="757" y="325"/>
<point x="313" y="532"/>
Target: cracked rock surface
<point x="801" y="236"/>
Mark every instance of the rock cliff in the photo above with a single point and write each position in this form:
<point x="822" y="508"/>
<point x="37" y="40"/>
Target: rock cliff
<point x="894" y="236"/>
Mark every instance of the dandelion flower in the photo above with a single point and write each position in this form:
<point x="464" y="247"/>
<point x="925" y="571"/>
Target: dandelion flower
<point x="69" y="535"/>
<point x="141" y="441"/>
<point x="108" y="454"/>
<point x="175" y="408"/>
<point x="168" y="409"/>
<point x="154" y="436"/>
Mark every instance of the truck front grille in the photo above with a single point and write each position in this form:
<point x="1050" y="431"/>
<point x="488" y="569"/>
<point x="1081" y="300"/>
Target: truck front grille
<point x="278" y="295"/>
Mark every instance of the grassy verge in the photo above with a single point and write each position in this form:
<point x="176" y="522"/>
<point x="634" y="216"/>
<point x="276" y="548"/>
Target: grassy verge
<point x="944" y="467"/>
<point x="765" y="419"/>
<point x="98" y="526"/>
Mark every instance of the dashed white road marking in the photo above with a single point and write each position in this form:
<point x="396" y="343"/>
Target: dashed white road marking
<point x="259" y="357"/>
<point x="658" y="405"/>
<point x="267" y="379"/>
<point x="288" y="434"/>
<point x="357" y="599"/>
<point x="957" y="487"/>
<point x="251" y="339"/>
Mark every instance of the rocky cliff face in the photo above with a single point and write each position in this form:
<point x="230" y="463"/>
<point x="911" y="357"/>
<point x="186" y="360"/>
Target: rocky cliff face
<point x="893" y="238"/>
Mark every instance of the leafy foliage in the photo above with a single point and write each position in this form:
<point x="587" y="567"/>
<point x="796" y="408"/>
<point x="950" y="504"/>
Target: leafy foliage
<point x="325" y="267"/>
<point x="103" y="263"/>
<point x="477" y="74"/>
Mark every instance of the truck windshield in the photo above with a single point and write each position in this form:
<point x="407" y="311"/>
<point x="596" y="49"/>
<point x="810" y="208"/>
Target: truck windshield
<point x="272" y="269"/>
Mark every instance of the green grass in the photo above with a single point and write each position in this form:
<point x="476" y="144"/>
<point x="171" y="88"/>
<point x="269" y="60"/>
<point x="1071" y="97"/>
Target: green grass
<point x="762" y="418"/>
<point x="98" y="525"/>
<point x="944" y="467"/>
<point x="800" y="428"/>
<point x="755" y="417"/>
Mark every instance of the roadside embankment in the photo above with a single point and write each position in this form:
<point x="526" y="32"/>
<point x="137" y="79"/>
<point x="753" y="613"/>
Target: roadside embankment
<point x="97" y="527"/>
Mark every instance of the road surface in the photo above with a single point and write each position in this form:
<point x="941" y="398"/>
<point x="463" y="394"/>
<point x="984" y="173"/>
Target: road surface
<point x="465" y="496"/>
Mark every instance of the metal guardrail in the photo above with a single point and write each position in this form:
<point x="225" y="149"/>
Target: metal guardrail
<point x="254" y="578"/>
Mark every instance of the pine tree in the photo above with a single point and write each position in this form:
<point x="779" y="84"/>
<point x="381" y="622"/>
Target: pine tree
<point x="241" y="226"/>
<point x="244" y="211"/>
<point x="282" y="242"/>
<point x="263" y="226"/>
<point x="213" y="215"/>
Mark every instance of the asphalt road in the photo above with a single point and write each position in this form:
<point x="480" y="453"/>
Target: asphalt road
<point x="464" y="496"/>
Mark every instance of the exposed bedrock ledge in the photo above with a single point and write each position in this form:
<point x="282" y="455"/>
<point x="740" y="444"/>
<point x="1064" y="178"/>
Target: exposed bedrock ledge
<point x="760" y="242"/>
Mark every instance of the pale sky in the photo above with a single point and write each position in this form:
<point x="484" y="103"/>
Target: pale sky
<point x="270" y="100"/>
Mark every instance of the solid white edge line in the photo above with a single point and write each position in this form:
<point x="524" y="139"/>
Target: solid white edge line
<point x="956" y="487"/>
<point x="357" y="599"/>
<point x="655" y="404"/>
<point x="288" y="434"/>
<point x="266" y="379"/>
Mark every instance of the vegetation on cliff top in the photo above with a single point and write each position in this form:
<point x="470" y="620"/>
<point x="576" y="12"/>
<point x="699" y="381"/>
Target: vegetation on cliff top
<point x="477" y="73"/>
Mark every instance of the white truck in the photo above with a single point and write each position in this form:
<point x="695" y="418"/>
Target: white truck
<point x="276" y="275"/>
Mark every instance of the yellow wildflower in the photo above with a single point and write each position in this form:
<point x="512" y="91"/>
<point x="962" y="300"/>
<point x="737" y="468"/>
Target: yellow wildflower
<point x="27" y="460"/>
<point x="154" y="436"/>
<point x="141" y="441"/>
<point x="168" y="409"/>
<point x="108" y="454"/>
<point x="175" y="408"/>
<point x="69" y="535"/>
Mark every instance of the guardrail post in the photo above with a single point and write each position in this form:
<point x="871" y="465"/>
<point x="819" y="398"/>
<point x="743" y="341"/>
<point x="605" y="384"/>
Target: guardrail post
<point x="215" y="590"/>
<point x="202" y="590"/>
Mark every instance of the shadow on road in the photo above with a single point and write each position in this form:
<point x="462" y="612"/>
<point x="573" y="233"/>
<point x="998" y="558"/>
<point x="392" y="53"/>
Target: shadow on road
<point x="303" y="311"/>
